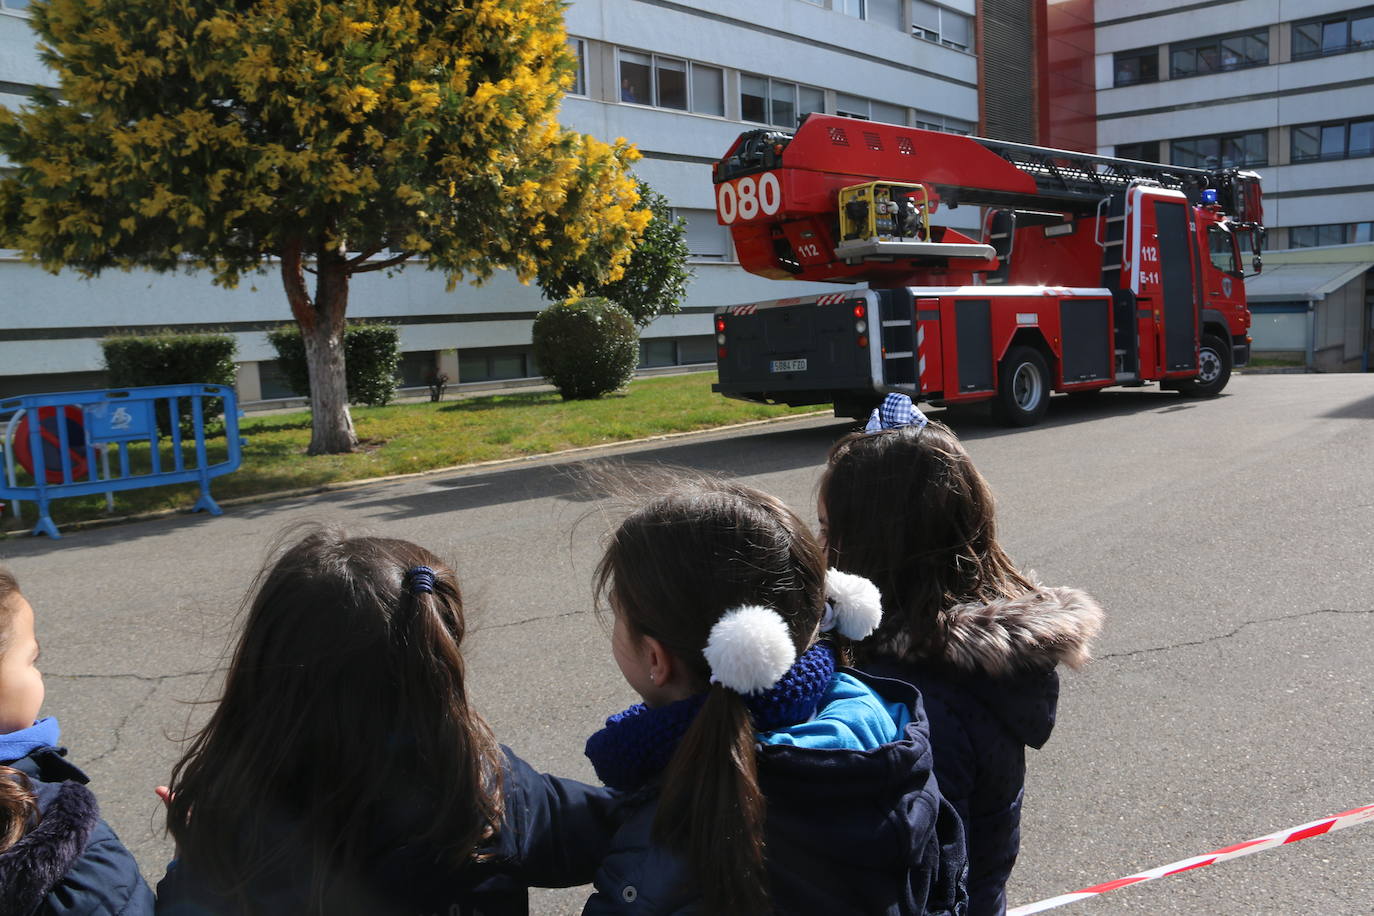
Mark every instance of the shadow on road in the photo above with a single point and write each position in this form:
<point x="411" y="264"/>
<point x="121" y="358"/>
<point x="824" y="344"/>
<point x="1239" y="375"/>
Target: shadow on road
<point x="1356" y="410"/>
<point x="744" y="453"/>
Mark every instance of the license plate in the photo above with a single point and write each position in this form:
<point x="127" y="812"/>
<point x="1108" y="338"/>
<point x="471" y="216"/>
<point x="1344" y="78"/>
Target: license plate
<point x="787" y="365"/>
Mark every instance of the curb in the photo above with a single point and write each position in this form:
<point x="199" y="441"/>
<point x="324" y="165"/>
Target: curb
<point x="90" y="523"/>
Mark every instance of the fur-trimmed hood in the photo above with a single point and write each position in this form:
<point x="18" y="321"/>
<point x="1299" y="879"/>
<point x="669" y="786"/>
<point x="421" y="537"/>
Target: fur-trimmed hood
<point x="32" y="867"/>
<point x="1032" y="632"/>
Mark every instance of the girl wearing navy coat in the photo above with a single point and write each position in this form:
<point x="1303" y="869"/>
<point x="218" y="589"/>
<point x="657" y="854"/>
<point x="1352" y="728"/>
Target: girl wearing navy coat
<point x="57" y="856"/>
<point x="345" y="770"/>
<point x="763" y="777"/>
<point x="903" y="505"/>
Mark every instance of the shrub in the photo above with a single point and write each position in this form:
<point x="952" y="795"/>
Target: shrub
<point x="172" y="358"/>
<point x="372" y="352"/>
<point x="585" y="347"/>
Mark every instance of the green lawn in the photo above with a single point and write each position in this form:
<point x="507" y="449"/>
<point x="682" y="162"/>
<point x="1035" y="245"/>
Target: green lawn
<point x="406" y="438"/>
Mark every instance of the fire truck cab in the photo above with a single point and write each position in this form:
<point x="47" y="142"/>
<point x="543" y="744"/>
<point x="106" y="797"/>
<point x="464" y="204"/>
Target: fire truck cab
<point x="1089" y="272"/>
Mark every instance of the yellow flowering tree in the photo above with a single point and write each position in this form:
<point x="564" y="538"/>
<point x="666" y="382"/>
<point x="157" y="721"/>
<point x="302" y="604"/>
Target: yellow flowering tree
<point x="327" y="137"/>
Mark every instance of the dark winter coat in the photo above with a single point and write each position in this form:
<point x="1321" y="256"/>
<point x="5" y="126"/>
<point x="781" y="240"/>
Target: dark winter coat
<point x="553" y="834"/>
<point x="71" y="862"/>
<point x="847" y="832"/>
<point x="991" y="692"/>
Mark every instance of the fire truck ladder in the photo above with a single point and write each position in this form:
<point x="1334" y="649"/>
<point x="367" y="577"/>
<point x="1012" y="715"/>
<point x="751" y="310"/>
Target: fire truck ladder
<point x="1077" y="181"/>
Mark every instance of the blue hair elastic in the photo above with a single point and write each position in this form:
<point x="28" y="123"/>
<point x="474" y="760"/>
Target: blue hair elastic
<point x="421" y="580"/>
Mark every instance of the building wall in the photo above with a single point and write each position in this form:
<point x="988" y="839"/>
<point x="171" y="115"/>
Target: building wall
<point x="50" y="325"/>
<point x="1271" y="99"/>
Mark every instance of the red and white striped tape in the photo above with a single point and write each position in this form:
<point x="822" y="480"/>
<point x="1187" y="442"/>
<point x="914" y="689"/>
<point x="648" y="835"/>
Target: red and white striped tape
<point x="743" y="309"/>
<point x="1292" y="835"/>
<point x="832" y="298"/>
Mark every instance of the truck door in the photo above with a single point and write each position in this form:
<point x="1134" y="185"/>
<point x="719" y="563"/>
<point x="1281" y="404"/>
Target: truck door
<point x="1176" y="268"/>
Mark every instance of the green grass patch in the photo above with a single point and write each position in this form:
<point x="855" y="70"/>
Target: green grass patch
<point x="406" y="438"/>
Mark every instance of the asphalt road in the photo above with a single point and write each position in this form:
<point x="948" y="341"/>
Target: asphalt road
<point x="1230" y="541"/>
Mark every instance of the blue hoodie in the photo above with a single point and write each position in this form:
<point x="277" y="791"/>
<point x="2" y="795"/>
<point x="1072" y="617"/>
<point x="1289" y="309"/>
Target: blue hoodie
<point x="855" y="821"/>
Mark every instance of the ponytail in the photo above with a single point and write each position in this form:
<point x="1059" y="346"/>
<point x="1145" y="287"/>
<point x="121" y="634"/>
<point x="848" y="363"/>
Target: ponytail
<point x="711" y="810"/>
<point x="18" y="807"/>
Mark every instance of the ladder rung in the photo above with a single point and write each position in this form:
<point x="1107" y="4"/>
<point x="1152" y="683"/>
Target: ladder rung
<point x="902" y="355"/>
<point x="899" y="323"/>
<point x="1116" y="219"/>
<point x="1111" y="267"/>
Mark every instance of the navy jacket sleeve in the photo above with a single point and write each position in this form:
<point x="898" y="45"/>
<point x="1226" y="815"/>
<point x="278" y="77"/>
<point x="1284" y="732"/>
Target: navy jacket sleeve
<point x="558" y="829"/>
<point x="105" y="881"/>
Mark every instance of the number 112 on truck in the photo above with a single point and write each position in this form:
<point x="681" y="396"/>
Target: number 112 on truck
<point x="1090" y="271"/>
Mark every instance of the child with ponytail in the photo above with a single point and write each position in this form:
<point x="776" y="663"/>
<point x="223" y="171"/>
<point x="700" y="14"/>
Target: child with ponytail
<point x="57" y="856"/>
<point x="763" y="778"/>
<point x="345" y="770"/>
<point x="902" y="504"/>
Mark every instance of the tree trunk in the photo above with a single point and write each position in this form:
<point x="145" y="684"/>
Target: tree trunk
<point x="322" y="331"/>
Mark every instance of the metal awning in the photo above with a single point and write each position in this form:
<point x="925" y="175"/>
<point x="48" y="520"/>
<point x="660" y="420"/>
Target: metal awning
<point x="1302" y="282"/>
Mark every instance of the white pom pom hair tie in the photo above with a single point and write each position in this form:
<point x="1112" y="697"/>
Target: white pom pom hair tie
<point x="749" y="649"/>
<point x="854" y="608"/>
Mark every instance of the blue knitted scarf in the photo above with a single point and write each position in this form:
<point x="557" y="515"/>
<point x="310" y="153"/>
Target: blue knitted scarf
<point x="637" y="744"/>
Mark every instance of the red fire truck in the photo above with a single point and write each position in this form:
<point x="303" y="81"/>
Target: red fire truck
<point x="1091" y="271"/>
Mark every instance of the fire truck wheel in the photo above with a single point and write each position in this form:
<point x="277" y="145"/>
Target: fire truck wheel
<point x="1213" y="370"/>
<point x="1023" y="387"/>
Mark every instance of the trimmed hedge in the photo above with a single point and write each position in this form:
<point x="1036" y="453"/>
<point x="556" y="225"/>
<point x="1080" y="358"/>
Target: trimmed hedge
<point x="172" y="358"/>
<point x="372" y="354"/>
<point x="586" y="347"/>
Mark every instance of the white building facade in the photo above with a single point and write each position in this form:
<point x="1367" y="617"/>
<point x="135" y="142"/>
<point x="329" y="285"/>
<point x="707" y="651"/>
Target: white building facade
<point x="1284" y="87"/>
<point x="680" y="80"/>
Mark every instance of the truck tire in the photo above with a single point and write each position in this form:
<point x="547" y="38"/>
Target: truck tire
<point x="1023" y="387"/>
<point x="1213" y="368"/>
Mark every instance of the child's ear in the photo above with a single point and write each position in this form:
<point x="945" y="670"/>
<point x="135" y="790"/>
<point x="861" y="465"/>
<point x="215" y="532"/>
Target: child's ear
<point x="661" y="661"/>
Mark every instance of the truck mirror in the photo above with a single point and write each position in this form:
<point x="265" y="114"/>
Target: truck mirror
<point x="1258" y="263"/>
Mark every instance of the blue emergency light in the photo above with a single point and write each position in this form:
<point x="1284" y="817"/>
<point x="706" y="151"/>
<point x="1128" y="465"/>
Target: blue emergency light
<point x="1209" y="196"/>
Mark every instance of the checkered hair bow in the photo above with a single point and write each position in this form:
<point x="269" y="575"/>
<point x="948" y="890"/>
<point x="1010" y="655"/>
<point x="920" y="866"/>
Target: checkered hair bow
<point x="895" y="412"/>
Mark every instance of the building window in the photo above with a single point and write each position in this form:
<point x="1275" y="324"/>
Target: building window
<point x="1248" y="149"/>
<point x="670" y="82"/>
<point x="888" y="12"/>
<point x="1132" y="67"/>
<point x="927" y="120"/>
<point x="1333" y="34"/>
<point x="852" y="106"/>
<point x="1147" y="151"/>
<point x="1333" y="140"/>
<point x="1219" y="53"/>
<point x="770" y="101"/>
<point x="494" y="363"/>
<point x="657" y="352"/>
<point x="1330" y="234"/>
<point x="937" y="24"/>
<point x="707" y="239"/>
<point x="417" y="368"/>
<point x="579" y="50"/>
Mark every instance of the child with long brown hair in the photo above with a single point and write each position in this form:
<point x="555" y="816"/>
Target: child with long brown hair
<point x="763" y="777"/>
<point x="905" y="507"/>
<point x="345" y="770"/>
<point x="57" y="855"/>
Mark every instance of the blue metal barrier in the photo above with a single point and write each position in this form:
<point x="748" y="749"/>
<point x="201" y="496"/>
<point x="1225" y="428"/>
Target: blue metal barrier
<point x="60" y="435"/>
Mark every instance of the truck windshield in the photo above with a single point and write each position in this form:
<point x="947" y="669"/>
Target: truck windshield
<point x="1222" y="245"/>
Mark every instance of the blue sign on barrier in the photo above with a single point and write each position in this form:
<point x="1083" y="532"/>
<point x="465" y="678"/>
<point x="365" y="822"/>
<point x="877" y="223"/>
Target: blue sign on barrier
<point x="116" y="421"/>
<point x="60" y="455"/>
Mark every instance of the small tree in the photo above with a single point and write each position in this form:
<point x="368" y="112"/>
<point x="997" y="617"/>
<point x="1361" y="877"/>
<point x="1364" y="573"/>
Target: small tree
<point x="655" y="279"/>
<point x="586" y="347"/>
<point x="320" y="137"/>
